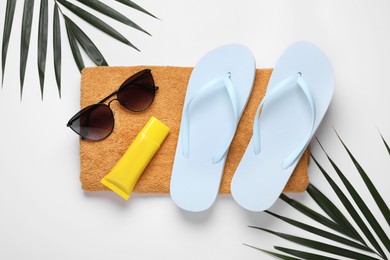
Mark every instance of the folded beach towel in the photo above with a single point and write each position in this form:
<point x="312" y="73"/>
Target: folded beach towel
<point x="98" y="158"/>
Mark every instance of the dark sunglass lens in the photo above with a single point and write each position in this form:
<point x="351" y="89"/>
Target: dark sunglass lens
<point x="136" y="98"/>
<point x="94" y="122"/>
<point x="143" y="78"/>
<point x="137" y="92"/>
<point x="146" y="79"/>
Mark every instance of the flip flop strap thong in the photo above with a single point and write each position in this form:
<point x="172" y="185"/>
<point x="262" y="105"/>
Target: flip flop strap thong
<point x="283" y="86"/>
<point x="185" y="127"/>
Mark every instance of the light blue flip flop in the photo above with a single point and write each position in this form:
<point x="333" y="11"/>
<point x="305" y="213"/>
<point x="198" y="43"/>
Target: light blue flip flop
<point x="217" y="93"/>
<point x="299" y="92"/>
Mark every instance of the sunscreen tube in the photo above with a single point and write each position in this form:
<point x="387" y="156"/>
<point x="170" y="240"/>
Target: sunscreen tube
<point x="125" y="174"/>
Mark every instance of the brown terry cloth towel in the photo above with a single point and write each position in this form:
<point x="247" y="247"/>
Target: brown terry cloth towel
<point x="98" y="158"/>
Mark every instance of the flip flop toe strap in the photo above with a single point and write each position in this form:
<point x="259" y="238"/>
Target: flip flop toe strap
<point x="217" y="83"/>
<point x="295" y="80"/>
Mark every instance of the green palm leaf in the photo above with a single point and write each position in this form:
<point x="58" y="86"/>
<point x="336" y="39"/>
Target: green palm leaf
<point x="28" y="10"/>
<point x="320" y="246"/>
<point x="362" y="206"/>
<point x="280" y="256"/>
<point x="374" y="192"/>
<point x="321" y="232"/>
<point x="75" y="34"/>
<point x="9" y="17"/>
<point x="351" y="210"/>
<point x="75" y="48"/>
<point x="105" y="9"/>
<point x="135" y="6"/>
<point x="332" y="211"/>
<point x="57" y="47"/>
<point x="42" y="42"/>
<point x="314" y="215"/>
<point x="340" y="224"/>
<point x="384" y="141"/>
<point x="93" y="20"/>
<point x="302" y="254"/>
<point x="88" y="46"/>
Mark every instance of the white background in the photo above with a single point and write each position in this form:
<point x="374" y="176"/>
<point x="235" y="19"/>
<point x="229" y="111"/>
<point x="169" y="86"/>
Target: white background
<point x="44" y="214"/>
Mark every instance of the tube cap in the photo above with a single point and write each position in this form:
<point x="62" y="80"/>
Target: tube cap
<point x="155" y="130"/>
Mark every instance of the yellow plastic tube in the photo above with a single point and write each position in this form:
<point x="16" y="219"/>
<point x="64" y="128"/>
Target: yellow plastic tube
<point x="125" y="174"/>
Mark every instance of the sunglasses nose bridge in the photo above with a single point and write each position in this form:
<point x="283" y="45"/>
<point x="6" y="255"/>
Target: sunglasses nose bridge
<point x="109" y="103"/>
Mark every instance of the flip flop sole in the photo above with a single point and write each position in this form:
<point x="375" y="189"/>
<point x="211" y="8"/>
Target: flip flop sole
<point x="284" y="123"/>
<point x="195" y="179"/>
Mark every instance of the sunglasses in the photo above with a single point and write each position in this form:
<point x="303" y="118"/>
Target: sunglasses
<point x="96" y="122"/>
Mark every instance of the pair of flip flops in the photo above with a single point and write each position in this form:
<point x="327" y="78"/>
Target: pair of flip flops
<point x="297" y="97"/>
